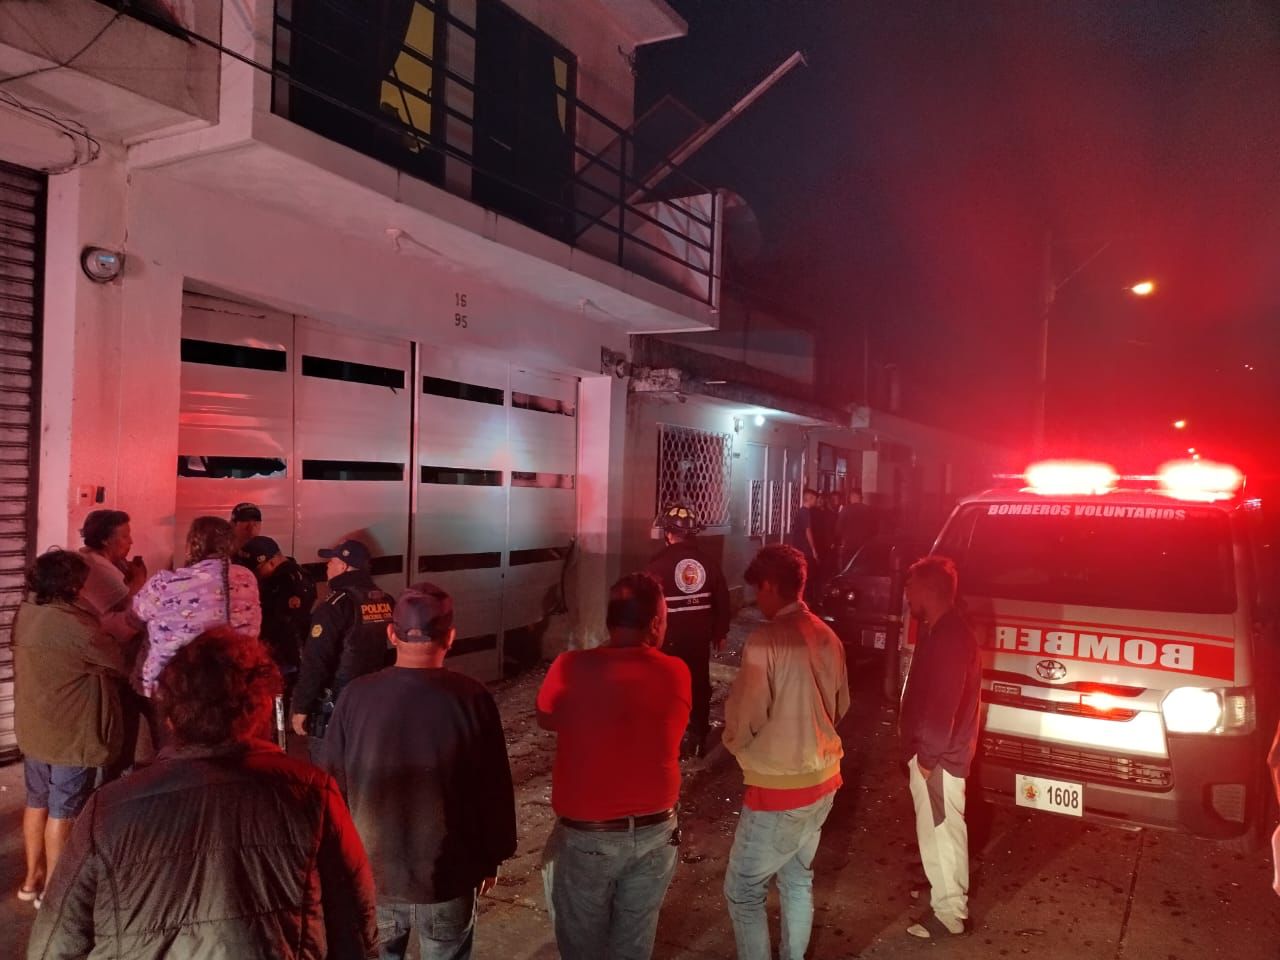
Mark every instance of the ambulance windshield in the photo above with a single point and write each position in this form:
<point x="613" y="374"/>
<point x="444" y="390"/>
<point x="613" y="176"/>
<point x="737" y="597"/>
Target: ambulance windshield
<point x="1177" y="560"/>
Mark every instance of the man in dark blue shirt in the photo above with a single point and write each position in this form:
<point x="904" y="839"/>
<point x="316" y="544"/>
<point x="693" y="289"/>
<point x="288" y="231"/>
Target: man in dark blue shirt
<point x="938" y="726"/>
<point x="418" y="752"/>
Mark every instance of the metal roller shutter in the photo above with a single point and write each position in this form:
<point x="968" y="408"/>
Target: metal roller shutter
<point x="22" y="204"/>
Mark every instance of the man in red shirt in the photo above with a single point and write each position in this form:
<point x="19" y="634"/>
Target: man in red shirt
<point x="619" y="712"/>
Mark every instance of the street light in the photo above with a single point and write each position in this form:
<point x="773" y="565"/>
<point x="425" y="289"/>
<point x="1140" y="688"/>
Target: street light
<point x="1143" y="288"/>
<point x="1179" y="424"/>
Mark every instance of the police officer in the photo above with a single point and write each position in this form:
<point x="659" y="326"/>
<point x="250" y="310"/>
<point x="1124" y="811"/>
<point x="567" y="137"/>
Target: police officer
<point x="246" y="523"/>
<point x="348" y="639"/>
<point x="287" y="598"/>
<point x="697" y="613"/>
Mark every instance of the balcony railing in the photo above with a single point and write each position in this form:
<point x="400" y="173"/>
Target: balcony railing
<point x="391" y="81"/>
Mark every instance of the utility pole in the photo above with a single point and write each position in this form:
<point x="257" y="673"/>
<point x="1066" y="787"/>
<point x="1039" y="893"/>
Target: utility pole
<point x="1048" y="291"/>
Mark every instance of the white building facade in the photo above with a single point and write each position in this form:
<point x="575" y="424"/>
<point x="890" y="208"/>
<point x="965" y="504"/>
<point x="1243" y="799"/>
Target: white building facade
<point x="369" y="290"/>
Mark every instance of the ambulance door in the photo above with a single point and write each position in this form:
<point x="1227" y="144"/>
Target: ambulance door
<point x="352" y="437"/>
<point x="462" y="474"/>
<point x="235" y="419"/>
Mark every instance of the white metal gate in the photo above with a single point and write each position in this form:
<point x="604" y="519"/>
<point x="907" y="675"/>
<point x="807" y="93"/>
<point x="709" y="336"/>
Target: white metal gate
<point x="453" y="468"/>
<point x="22" y="208"/>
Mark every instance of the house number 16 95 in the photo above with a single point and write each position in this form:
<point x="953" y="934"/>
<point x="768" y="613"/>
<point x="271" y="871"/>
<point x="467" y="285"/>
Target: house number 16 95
<point x="460" y="318"/>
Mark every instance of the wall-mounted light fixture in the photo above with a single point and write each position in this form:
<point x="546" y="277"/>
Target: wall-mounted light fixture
<point x="759" y="419"/>
<point x="101" y="266"/>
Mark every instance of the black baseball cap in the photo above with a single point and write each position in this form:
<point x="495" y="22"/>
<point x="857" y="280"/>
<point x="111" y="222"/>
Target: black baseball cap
<point x="259" y="550"/>
<point x="423" y="611"/>
<point x="351" y="552"/>
<point x="245" y="511"/>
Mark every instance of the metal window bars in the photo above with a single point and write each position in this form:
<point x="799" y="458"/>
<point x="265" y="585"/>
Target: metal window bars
<point x="755" y="509"/>
<point x="775" y="508"/>
<point x="604" y="200"/>
<point x="694" y="468"/>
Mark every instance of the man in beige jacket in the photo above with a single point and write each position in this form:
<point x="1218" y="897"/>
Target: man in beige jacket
<point x="780" y="724"/>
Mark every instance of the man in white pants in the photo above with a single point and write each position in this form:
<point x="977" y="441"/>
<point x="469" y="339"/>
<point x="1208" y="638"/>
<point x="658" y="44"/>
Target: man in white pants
<point x="938" y="726"/>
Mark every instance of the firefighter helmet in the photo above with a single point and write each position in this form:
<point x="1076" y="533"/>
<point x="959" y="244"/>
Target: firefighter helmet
<point x="679" y="519"/>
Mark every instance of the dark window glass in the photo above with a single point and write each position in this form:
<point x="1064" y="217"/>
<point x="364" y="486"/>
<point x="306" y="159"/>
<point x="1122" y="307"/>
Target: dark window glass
<point x="473" y="645"/>
<point x="232" y="355"/>
<point x="540" y="555"/>
<point x="440" y="562"/>
<point x="1178" y="562"/>
<point x="459" y="476"/>
<point x="457" y="390"/>
<point x="234" y="468"/>
<point x="549" y="481"/>
<point x="378" y="567"/>
<point x="352" y="470"/>
<point x="352" y="372"/>
<point x="529" y="401"/>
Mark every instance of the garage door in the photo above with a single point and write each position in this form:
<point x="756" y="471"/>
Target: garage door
<point x="496" y="502"/>
<point x="22" y="204"/>
<point x="453" y="468"/>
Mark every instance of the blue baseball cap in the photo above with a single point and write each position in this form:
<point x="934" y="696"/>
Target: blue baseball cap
<point x="351" y="552"/>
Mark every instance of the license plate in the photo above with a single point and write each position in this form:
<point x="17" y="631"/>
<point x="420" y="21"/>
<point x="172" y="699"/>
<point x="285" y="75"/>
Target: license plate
<point x="1056" y="796"/>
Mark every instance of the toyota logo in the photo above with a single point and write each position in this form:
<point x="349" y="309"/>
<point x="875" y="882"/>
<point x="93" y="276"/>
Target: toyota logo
<point x="1051" y="670"/>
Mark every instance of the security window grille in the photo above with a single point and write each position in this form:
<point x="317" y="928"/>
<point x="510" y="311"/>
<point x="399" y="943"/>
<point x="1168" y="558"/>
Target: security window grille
<point x="694" y="470"/>
<point x="775" y="507"/>
<point x="755" y="509"/>
<point x="793" y="505"/>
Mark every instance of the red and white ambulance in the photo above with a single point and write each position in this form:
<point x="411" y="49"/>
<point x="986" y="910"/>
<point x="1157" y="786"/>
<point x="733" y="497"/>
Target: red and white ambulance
<point x="1130" y="645"/>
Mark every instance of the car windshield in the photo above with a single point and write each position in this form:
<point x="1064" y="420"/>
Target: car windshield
<point x="1176" y="559"/>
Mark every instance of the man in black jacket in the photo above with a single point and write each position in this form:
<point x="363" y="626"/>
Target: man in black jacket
<point x="348" y="639"/>
<point x="418" y="752"/>
<point x="287" y="595"/>
<point x="938" y="726"/>
<point x="697" y="613"/>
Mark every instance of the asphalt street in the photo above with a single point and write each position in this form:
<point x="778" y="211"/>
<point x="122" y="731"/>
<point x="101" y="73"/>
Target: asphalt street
<point x="1043" y="886"/>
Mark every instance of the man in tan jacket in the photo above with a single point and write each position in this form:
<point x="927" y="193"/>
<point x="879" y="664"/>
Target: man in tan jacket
<point x="780" y="724"/>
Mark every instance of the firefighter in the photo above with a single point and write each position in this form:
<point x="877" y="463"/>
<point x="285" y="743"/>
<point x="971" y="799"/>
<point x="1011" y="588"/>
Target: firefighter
<point x="287" y="598"/>
<point x="348" y="638"/>
<point x="697" y="613"/>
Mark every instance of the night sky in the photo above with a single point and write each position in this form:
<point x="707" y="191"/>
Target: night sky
<point x="907" y="178"/>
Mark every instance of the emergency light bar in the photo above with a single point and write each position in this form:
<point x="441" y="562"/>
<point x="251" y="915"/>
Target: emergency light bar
<point x="1064" y="478"/>
<point x="1196" y="480"/>
<point x="1200" y="480"/>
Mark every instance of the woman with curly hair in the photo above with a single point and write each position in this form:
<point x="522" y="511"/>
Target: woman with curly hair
<point x="68" y="718"/>
<point x="224" y="846"/>
<point x="179" y="605"/>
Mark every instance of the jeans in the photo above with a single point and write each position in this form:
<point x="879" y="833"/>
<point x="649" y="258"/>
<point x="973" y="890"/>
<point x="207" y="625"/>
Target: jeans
<point x="604" y="889"/>
<point x="769" y="844"/>
<point x="445" y="930"/>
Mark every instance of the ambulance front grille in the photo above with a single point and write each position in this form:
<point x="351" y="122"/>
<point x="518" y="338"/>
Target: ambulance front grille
<point x="1088" y="766"/>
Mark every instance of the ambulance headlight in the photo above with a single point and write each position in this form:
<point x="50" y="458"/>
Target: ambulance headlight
<point x="1192" y="710"/>
<point x="1197" y="710"/>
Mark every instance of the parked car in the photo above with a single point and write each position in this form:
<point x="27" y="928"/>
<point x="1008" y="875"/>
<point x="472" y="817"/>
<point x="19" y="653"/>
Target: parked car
<point x="863" y="603"/>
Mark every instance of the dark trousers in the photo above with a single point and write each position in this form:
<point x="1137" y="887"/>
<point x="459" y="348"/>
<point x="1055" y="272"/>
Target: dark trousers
<point x="696" y="653"/>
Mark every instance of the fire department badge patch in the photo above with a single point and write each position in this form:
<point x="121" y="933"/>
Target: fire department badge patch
<point x="317" y="630"/>
<point x="691" y="576"/>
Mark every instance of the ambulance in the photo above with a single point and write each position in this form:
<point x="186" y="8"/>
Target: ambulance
<point x="1129" y="635"/>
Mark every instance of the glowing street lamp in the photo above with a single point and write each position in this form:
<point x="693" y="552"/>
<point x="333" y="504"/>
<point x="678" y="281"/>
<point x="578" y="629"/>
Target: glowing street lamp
<point x="1143" y="288"/>
<point x="1179" y="424"/>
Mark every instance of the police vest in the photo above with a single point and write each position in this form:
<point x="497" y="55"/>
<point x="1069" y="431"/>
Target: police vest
<point x="364" y="647"/>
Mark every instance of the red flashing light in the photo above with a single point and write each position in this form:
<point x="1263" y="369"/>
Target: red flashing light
<point x="1200" y="480"/>
<point x="1062" y="478"/>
